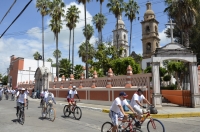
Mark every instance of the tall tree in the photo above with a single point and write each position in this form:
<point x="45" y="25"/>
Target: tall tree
<point x="72" y="17"/>
<point x="56" y="12"/>
<point x="99" y="20"/>
<point x="57" y="53"/>
<point x="131" y="9"/>
<point x="65" y="68"/>
<point x="37" y="56"/>
<point x="183" y="13"/>
<point x="49" y="60"/>
<point x="101" y="1"/>
<point x="42" y="6"/>
<point x="116" y="7"/>
<point x="84" y="3"/>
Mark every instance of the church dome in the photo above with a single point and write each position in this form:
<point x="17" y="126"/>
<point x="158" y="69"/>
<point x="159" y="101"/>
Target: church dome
<point x="120" y="22"/>
<point x="149" y="12"/>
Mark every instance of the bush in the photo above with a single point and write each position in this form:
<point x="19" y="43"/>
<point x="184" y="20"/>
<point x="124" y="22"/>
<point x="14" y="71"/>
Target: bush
<point x="167" y="78"/>
<point x="170" y="87"/>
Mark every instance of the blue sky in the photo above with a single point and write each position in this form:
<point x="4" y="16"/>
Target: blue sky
<point x="23" y="38"/>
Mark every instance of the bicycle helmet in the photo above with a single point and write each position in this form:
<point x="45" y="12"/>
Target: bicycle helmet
<point x="74" y="87"/>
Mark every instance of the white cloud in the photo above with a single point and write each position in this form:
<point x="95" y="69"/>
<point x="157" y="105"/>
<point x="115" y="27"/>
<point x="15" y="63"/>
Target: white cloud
<point x="28" y="46"/>
<point x="163" y="39"/>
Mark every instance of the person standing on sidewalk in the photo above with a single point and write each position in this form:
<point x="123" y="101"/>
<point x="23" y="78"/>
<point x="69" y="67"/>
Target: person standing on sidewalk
<point x="117" y="111"/>
<point x="136" y="100"/>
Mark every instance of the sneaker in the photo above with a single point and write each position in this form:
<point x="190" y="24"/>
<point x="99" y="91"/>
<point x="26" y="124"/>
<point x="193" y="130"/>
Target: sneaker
<point x="137" y="124"/>
<point x="44" y="115"/>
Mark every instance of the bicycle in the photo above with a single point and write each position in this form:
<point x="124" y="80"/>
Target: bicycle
<point x="13" y="98"/>
<point x="49" y="110"/>
<point x="155" y="123"/>
<point x="73" y="109"/>
<point x="128" y="128"/>
<point x="27" y="103"/>
<point x="7" y="97"/>
<point x="21" y="115"/>
<point x="42" y="102"/>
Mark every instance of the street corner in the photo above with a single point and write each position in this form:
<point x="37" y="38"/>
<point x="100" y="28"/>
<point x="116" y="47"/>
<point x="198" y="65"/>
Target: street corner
<point x="105" y="110"/>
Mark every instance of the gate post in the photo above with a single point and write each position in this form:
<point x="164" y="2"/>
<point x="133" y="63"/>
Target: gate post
<point x="156" y="96"/>
<point x="195" y="95"/>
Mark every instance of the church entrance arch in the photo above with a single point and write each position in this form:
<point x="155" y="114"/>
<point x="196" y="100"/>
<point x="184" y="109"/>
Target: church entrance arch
<point x="175" y="51"/>
<point x="42" y="78"/>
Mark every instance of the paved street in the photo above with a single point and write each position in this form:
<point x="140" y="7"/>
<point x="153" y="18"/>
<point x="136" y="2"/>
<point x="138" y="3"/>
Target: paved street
<point x="91" y="121"/>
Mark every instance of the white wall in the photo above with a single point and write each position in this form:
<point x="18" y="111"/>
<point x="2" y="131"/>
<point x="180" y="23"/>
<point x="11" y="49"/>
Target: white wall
<point x="144" y="63"/>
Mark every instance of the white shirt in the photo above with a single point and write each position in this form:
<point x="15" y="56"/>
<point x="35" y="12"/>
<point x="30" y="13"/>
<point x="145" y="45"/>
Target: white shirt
<point x="49" y="97"/>
<point x="1" y="91"/>
<point x="42" y="93"/>
<point x="136" y="97"/>
<point x="26" y="92"/>
<point x="115" y="108"/>
<point x="21" y="98"/>
<point x="13" y="92"/>
<point x="72" y="93"/>
<point x="46" y="94"/>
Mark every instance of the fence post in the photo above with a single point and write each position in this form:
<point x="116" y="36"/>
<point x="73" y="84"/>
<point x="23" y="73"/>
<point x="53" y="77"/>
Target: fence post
<point x="63" y="79"/>
<point x="81" y="80"/>
<point x="94" y="79"/>
<point x="71" y="78"/>
<point x="55" y="80"/>
<point x="110" y="74"/>
<point x="128" y="77"/>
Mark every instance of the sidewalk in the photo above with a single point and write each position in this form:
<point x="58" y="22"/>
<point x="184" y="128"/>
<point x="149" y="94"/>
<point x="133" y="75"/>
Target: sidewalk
<point x="167" y="111"/>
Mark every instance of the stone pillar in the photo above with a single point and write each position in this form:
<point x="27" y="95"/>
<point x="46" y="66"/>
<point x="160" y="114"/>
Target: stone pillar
<point x="128" y="77"/>
<point x="110" y="75"/>
<point x="195" y="95"/>
<point x="55" y="80"/>
<point x="81" y="80"/>
<point x="63" y="79"/>
<point x="71" y="78"/>
<point x="156" y="97"/>
<point x="94" y="79"/>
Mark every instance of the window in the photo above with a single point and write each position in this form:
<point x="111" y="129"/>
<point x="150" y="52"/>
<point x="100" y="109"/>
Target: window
<point x="148" y="64"/>
<point x="147" y="29"/>
<point x="156" y="29"/>
<point x="124" y="37"/>
<point x="148" y="47"/>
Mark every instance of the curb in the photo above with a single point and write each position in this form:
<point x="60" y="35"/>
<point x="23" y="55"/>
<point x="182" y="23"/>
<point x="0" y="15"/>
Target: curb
<point x="172" y="115"/>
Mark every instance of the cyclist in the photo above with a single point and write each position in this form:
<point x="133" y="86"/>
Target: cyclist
<point x="70" y="97"/>
<point x="13" y="93"/>
<point x="42" y="97"/>
<point x="116" y="110"/>
<point x="21" y="100"/>
<point x="47" y="97"/>
<point x="136" y="100"/>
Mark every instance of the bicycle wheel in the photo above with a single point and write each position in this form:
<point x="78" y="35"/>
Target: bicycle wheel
<point x="66" y="111"/>
<point x="154" y="125"/>
<point x="77" y="113"/>
<point x="107" y="127"/>
<point x="52" y="114"/>
<point x="22" y="117"/>
<point x="137" y="130"/>
<point x="27" y="104"/>
<point x="42" y="112"/>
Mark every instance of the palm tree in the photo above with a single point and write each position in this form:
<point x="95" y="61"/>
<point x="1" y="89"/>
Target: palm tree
<point x="42" y="6"/>
<point x="56" y="12"/>
<point x="183" y="13"/>
<point x="101" y="1"/>
<point x="37" y="56"/>
<point x="99" y="20"/>
<point x="131" y="9"/>
<point x="65" y="68"/>
<point x="57" y="53"/>
<point x="72" y="17"/>
<point x="116" y="7"/>
<point x="88" y="32"/>
<point x="49" y="60"/>
<point x="83" y="54"/>
<point x="84" y="3"/>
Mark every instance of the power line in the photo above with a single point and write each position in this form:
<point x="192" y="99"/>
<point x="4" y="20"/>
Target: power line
<point x="17" y="17"/>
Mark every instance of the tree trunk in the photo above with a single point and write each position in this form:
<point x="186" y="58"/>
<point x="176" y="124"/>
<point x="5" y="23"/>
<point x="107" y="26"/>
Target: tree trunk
<point x="86" y="44"/>
<point x="73" y="54"/>
<point x="130" y="46"/>
<point x="43" y="40"/>
<point x="187" y="44"/>
<point x="69" y="44"/>
<point x="101" y="13"/>
<point x="57" y="55"/>
<point x="117" y="39"/>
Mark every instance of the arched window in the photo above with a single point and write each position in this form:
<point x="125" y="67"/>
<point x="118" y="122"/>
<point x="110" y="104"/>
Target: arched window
<point x="156" y="29"/>
<point x="147" y="29"/>
<point x="124" y="36"/>
<point x="148" y="46"/>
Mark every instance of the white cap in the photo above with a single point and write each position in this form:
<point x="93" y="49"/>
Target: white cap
<point x="23" y="89"/>
<point x="74" y="87"/>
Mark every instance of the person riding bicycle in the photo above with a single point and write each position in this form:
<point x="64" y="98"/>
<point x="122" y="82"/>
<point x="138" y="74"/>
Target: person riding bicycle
<point x="70" y="97"/>
<point x="117" y="111"/>
<point x="41" y="96"/>
<point x="47" y="97"/>
<point x="21" y="100"/>
<point x="136" y="100"/>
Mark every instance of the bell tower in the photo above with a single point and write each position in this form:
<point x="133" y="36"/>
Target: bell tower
<point x="150" y="37"/>
<point x="122" y="35"/>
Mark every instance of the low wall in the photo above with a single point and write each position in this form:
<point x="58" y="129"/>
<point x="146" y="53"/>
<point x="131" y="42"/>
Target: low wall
<point x="180" y="97"/>
<point x="101" y="96"/>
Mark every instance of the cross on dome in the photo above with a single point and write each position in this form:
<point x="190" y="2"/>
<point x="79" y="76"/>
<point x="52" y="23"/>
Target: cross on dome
<point x="171" y="28"/>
